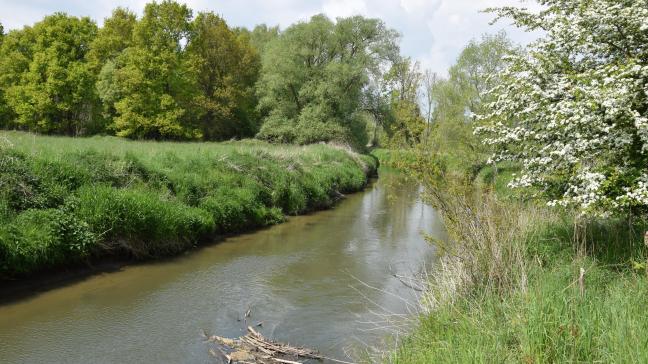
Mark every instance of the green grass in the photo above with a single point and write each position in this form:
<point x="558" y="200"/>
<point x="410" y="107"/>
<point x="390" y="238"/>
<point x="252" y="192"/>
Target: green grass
<point x="538" y="314"/>
<point x="550" y="321"/>
<point x="65" y="200"/>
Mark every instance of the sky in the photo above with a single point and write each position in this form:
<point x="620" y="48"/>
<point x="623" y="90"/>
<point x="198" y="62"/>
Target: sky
<point x="433" y="31"/>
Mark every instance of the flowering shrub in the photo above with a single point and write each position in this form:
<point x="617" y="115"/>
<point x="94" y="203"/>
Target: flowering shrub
<point x="573" y="109"/>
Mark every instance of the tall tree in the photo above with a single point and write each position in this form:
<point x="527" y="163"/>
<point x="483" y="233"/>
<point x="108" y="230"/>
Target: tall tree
<point x="47" y="84"/>
<point x="314" y="76"/>
<point x="260" y="36"/>
<point x="4" y="110"/>
<point x="227" y="68"/>
<point x="113" y="38"/>
<point x="464" y="93"/>
<point x="376" y="102"/>
<point x="405" y="79"/>
<point x="408" y="125"/>
<point x="478" y="66"/>
<point x="430" y="79"/>
<point x="152" y="81"/>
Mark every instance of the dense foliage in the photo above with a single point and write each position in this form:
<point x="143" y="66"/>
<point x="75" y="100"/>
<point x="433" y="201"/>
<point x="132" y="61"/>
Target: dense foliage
<point x="47" y="86"/>
<point x="175" y="77"/>
<point x="65" y="201"/>
<point x="572" y="110"/>
<point x="173" y="74"/>
<point x="314" y="76"/>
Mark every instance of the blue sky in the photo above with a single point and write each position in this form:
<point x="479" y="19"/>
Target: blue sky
<point x="433" y="31"/>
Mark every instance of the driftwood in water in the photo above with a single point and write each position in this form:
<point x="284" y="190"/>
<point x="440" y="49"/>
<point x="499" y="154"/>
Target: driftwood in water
<point x="255" y="348"/>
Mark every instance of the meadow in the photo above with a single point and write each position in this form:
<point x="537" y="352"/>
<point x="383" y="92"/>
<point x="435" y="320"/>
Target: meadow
<point x="65" y="201"/>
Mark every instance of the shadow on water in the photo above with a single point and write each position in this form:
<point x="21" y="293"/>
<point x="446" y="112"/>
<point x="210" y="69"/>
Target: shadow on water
<point x="301" y="279"/>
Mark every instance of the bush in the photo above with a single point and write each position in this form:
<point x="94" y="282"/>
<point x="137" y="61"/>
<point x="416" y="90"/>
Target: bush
<point x="276" y="129"/>
<point x="19" y="187"/>
<point x="39" y="239"/>
<point x="310" y="130"/>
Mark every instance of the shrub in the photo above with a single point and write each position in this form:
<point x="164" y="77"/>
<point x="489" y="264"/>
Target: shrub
<point x="277" y="130"/>
<point x="43" y="238"/>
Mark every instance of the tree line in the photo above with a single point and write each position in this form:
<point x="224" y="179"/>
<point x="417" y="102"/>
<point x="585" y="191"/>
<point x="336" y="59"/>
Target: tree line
<point x="172" y="74"/>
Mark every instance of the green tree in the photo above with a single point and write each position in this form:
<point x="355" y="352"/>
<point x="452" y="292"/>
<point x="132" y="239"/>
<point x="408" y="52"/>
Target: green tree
<point x="4" y="112"/>
<point x="227" y="67"/>
<point x="463" y="94"/>
<point x="113" y="38"/>
<point x="477" y="68"/>
<point x="48" y="86"/>
<point x="260" y="36"/>
<point x="407" y="125"/>
<point x="430" y="80"/>
<point x="376" y="103"/>
<point x="314" y="76"/>
<point x="15" y="57"/>
<point x="152" y="82"/>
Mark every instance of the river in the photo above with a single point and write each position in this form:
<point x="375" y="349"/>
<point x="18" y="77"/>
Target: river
<point x="322" y="280"/>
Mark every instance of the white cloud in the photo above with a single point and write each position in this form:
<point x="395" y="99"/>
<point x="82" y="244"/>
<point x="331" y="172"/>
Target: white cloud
<point x="434" y="31"/>
<point x="344" y="8"/>
<point x="420" y="8"/>
<point x="456" y="22"/>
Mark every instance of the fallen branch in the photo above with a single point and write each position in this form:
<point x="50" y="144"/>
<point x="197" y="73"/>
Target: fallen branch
<point x="256" y="348"/>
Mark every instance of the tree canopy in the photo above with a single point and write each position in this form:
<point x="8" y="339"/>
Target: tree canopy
<point x="227" y="67"/>
<point x="173" y="74"/>
<point x="455" y="99"/>
<point x="47" y="86"/>
<point x="152" y="80"/>
<point x="572" y="110"/>
<point x="314" y="75"/>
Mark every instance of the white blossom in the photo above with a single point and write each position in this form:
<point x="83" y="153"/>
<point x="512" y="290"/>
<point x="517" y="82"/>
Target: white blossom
<point x="573" y="109"/>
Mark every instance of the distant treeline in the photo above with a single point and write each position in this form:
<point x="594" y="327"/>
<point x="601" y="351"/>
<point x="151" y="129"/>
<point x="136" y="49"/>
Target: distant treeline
<point x="173" y="74"/>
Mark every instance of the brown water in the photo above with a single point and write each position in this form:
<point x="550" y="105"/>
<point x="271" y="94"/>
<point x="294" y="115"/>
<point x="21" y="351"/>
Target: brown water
<point x="305" y="279"/>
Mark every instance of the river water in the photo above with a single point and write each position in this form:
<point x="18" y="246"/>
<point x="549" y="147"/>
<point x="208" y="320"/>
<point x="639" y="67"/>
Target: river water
<point x="323" y="280"/>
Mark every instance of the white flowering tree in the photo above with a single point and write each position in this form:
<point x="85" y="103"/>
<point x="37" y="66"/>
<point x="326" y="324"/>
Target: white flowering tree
<point x="573" y="109"/>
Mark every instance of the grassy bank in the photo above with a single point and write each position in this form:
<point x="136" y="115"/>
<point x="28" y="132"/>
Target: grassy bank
<point x="508" y="288"/>
<point x="64" y="201"/>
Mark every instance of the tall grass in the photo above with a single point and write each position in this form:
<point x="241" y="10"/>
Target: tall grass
<point x="508" y="287"/>
<point x="64" y="200"/>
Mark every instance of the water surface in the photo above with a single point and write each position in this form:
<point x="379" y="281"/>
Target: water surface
<point x="321" y="280"/>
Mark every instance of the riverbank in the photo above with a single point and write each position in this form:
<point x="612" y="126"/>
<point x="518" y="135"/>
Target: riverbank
<point x="66" y="201"/>
<point x="304" y="278"/>
<point x="523" y="282"/>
